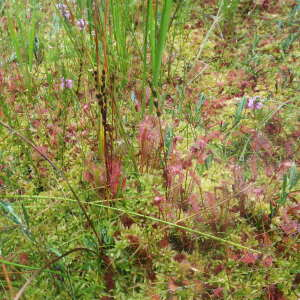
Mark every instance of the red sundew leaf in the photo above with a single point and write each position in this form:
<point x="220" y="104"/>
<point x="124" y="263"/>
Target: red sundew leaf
<point x="246" y="84"/>
<point x="249" y="258"/>
<point x="127" y="221"/>
<point x="195" y="177"/>
<point x="297" y="279"/>
<point x="247" y="130"/>
<point x="164" y="243"/>
<point x="42" y="110"/>
<point x="150" y="273"/>
<point x="23" y="258"/>
<point x="273" y="128"/>
<point x="148" y="137"/>
<point x="36" y="123"/>
<point x="259" y="142"/>
<point x="147" y="95"/>
<point x="133" y="239"/>
<point x="198" y="286"/>
<point x="117" y="235"/>
<point x="170" y="101"/>
<point x="274" y="293"/>
<point x="53" y="130"/>
<point x="267" y="261"/>
<point x="212" y="203"/>
<point x="123" y="183"/>
<point x="216" y="134"/>
<point x="137" y="106"/>
<point x="88" y="176"/>
<point x="175" y="169"/>
<point x="238" y="174"/>
<point x="293" y="210"/>
<point x="296" y="134"/>
<point x="198" y="152"/>
<point x="198" y="24"/>
<point x="187" y="162"/>
<point x="233" y="75"/>
<point x="289" y="240"/>
<point x="284" y="166"/>
<point x="258" y="191"/>
<point x="179" y="257"/>
<point x="288" y="146"/>
<point x="43" y="171"/>
<point x="199" y="65"/>
<point x="1" y="78"/>
<point x="176" y="139"/>
<point x="218" y="292"/>
<point x="269" y="170"/>
<point x="233" y="256"/>
<point x="193" y="201"/>
<point x="290" y="227"/>
<point x="158" y="200"/>
<point x="252" y="163"/>
<point x="172" y="286"/>
<point x="266" y="239"/>
<point x="54" y="140"/>
<point x="239" y="78"/>
<point x="266" y="41"/>
<point x="220" y="84"/>
<point x="109" y="280"/>
<point x="115" y="175"/>
<point x="219" y="268"/>
<point x="42" y="149"/>
<point x="86" y="107"/>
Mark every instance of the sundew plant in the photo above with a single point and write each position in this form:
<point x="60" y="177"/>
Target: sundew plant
<point x="149" y="149"/>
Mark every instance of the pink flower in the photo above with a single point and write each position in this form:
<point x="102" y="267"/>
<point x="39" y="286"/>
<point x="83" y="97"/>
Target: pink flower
<point x="81" y="23"/>
<point x="254" y="103"/>
<point x="66" y="83"/>
<point x="63" y="10"/>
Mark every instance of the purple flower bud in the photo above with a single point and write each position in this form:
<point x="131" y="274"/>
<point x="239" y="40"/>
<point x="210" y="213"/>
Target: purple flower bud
<point x="66" y="83"/>
<point x="81" y="23"/>
<point x="254" y="103"/>
<point x="63" y="10"/>
<point x="60" y="6"/>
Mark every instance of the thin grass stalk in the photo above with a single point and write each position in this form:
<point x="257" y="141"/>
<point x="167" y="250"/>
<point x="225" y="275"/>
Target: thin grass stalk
<point x="119" y="24"/>
<point x="150" y="218"/>
<point x="209" y="32"/>
<point x="7" y="278"/>
<point x="29" y="268"/>
<point x="152" y="32"/>
<point x="164" y="26"/>
<point x="149" y="37"/>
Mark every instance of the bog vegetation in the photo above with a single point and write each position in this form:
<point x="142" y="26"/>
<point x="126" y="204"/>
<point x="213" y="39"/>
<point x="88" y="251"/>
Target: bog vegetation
<point x="149" y="149"/>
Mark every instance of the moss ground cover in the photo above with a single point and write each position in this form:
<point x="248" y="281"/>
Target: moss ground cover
<point x="149" y="149"/>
